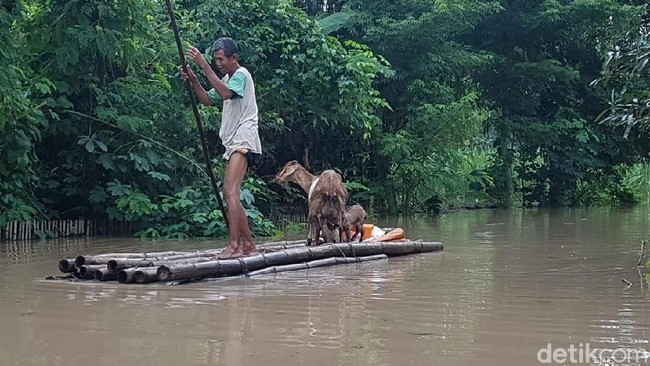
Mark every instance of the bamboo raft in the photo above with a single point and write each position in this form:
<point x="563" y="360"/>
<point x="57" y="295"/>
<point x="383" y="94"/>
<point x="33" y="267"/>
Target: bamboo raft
<point x="179" y="267"/>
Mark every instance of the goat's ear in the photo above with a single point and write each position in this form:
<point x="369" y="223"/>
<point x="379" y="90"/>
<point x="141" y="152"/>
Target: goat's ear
<point x="288" y="169"/>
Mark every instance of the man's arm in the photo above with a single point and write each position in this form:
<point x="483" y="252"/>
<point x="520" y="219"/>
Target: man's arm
<point x="200" y="93"/>
<point x="217" y="84"/>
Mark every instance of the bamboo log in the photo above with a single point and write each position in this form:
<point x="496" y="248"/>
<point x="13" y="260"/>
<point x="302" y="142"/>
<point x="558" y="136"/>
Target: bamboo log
<point x="156" y="256"/>
<point x="67" y="266"/>
<point x="146" y="275"/>
<point x="116" y="265"/>
<point x="119" y="264"/>
<point x="127" y="275"/>
<point x="263" y="248"/>
<point x="185" y="271"/>
<point x="192" y="265"/>
<point x="317" y="263"/>
<point x="104" y="258"/>
<point x="253" y="263"/>
<point x="90" y="269"/>
<point x="284" y="242"/>
<point x="103" y="274"/>
<point x="174" y="272"/>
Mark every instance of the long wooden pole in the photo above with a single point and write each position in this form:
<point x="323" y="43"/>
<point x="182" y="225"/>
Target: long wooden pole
<point x="199" y="125"/>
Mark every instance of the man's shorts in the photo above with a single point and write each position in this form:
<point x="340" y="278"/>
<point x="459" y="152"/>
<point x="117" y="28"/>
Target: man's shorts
<point x="254" y="159"/>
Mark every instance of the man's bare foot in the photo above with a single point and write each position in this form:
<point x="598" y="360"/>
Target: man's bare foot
<point x="249" y="249"/>
<point x="230" y="252"/>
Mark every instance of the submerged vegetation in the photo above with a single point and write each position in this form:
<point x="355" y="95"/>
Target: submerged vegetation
<point x="422" y="106"/>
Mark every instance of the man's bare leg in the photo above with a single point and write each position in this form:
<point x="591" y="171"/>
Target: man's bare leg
<point x="237" y="222"/>
<point x="246" y="238"/>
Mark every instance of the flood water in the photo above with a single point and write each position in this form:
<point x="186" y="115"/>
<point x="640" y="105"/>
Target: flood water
<point x="510" y="288"/>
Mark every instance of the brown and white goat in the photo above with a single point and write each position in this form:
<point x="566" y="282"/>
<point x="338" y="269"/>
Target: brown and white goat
<point x="354" y="217"/>
<point x="326" y="198"/>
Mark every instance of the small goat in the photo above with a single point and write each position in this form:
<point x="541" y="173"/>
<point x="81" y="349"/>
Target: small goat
<point x="330" y="235"/>
<point x="326" y="198"/>
<point x="354" y="217"/>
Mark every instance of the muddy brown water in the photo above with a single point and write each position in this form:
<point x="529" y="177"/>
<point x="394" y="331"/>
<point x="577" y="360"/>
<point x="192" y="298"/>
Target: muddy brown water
<point x="510" y="288"/>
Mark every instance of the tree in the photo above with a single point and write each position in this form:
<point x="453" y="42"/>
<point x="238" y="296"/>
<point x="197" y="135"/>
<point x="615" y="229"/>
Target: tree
<point x="546" y="55"/>
<point x="433" y="99"/>
<point x="21" y="122"/>
<point x="120" y="143"/>
<point x="625" y="71"/>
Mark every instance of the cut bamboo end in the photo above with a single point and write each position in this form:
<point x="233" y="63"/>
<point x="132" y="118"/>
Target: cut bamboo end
<point x="126" y="275"/>
<point x="80" y="261"/>
<point x="67" y="266"/>
<point x="146" y="275"/>
<point x="103" y="274"/>
<point x="164" y="273"/>
<point x="112" y="265"/>
<point x="90" y="270"/>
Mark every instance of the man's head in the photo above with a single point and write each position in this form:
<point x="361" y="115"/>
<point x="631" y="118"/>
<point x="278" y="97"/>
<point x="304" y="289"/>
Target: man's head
<point x="226" y="55"/>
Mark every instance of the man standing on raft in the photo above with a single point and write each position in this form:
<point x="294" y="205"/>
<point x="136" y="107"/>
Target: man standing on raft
<point x="238" y="132"/>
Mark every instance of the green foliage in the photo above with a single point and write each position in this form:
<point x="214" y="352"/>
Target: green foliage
<point x="187" y="213"/>
<point x="420" y="104"/>
<point x="336" y="21"/>
<point x="21" y="125"/>
<point x="119" y="137"/>
<point x="294" y="227"/>
<point x="625" y="72"/>
<point x="433" y="100"/>
<point x="636" y="180"/>
<point x="311" y="88"/>
<point x="545" y="57"/>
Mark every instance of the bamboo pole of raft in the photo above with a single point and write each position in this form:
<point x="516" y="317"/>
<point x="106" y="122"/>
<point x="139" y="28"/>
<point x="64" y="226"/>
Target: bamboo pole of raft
<point x="67" y="266"/>
<point x="88" y="270"/>
<point x="126" y="275"/>
<point x="193" y="266"/>
<point x="118" y="261"/>
<point x="139" y="275"/>
<point x="103" y="274"/>
<point x="317" y="263"/>
<point x="283" y="242"/>
<point x="229" y="267"/>
<point x="146" y="275"/>
<point x="104" y="258"/>
<point x="118" y="265"/>
<point x="197" y="116"/>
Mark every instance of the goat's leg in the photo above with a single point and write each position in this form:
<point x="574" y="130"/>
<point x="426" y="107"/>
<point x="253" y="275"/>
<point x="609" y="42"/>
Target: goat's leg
<point x="314" y="231"/>
<point x="310" y="234"/>
<point x="344" y="230"/>
<point x="360" y="231"/>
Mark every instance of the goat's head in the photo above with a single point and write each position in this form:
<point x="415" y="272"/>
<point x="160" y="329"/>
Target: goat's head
<point x="285" y="175"/>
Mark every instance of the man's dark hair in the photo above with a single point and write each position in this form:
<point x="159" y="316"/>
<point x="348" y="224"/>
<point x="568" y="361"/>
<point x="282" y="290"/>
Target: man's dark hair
<point x="227" y="44"/>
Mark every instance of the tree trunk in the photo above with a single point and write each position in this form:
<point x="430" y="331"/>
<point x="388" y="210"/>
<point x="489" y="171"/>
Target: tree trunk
<point x="506" y="156"/>
<point x="391" y="201"/>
